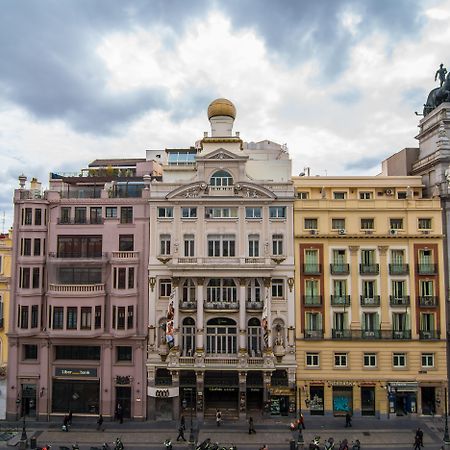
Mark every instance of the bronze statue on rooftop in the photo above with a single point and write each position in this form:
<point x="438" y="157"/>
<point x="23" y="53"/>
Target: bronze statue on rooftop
<point x="440" y="94"/>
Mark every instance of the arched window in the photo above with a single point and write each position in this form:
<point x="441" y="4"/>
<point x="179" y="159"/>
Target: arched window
<point x="254" y="346"/>
<point x="188" y="294"/>
<point x="254" y="291"/>
<point x="221" y="336"/>
<point x="221" y="290"/>
<point x="188" y="337"/>
<point x="221" y="178"/>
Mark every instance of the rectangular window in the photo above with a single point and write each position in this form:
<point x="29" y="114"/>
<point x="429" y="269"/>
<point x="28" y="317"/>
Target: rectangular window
<point x="253" y="212"/>
<point x="396" y="224"/>
<point x="165" y="287"/>
<point x="58" y="318"/>
<point x="277" y="288"/>
<point x="370" y="360"/>
<point x="98" y="317"/>
<point x="338" y="224"/>
<point x="365" y="195"/>
<point x="189" y="212"/>
<point x="367" y="224"/>
<point x="310" y="224"/>
<point x="312" y="360"/>
<point x="111" y="212"/>
<point x="25" y="247"/>
<point x="126" y="214"/>
<point x="427" y="359"/>
<point x="189" y="245"/>
<point x="27" y="216"/>
<point x="221" y="213"/>
<point x="30" y="351"/>
<point x="130" y="317"/>
<point x="277" y="245"/>
<point x="126" y="242"/>
<point x="79" y="246"/>
<point x="340" y="359"/>
<point x="399" y="360"/>
<point x="253" y="246"/>
<point x="36" y="277"/>
<point x="37" y="247"/>
<point x="121" y="318"/>
<point x="38" y="216"/>
<point x="65" y="215"/>
<point x="81" y="352"/>
<point x="80" y="215"/>
<point x="424" y="224"/>
<point x="402" y="195"/>
<point x="119" y="277"/>
<point x="124" y="353"/>
<point x="95" y="215"/>
<point x="339" y="195"/>
<point x="23" y="317"/>
<point x="277" y="212"/>
<point x="86" y="317"/>
<point x="303" y="195"/>
<point x="164" y="244"/>
<point x="34" y="316"/>
<point x="72" y="318"/>
<point x="221" y="245"/>
<point x="24" y="277"/>
<point x="165" y="212"/>
<point x="131" y="278"/>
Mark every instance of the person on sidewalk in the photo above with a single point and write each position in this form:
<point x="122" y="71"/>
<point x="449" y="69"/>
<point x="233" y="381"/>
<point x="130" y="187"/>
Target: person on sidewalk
<point x="183" y="422"/>
<point x="348" y="419"/>
<point x="251" y="426"/>
<point x="70" y="417"/>
<point x="100" y="423"/>
<point x="301" y="422"/>
<point x="119" y="412"/>
<point x="181" y="433"/>
<point x="419" y="435"/>
<point x="218" y="417"/>
<point x="417" y="445"/>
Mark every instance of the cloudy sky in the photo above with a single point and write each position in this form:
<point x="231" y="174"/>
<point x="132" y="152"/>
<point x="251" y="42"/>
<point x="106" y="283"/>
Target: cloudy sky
<point x="337" y="80"/>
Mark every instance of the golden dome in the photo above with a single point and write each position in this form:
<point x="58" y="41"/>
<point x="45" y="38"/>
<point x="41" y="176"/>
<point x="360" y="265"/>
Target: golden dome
<point x="221" y="107"/>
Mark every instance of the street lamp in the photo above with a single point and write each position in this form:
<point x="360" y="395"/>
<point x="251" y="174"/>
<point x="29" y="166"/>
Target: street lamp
<point x="446" y="438"/>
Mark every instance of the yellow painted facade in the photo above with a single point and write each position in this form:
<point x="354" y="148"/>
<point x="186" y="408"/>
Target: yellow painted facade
<point x="5" y="280"/>
<point x="370" y="297"/>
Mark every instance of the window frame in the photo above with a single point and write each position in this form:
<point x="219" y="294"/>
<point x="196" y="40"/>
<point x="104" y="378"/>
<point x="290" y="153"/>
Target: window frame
<point x="397" y="358"/>
<point x="424" y="223"/>
<point x="312" y="359"/>
<point x="427" y="360"/>
<point x="340" y="360"/>
<point x="310" y="223"/>
<point x="370" y="360"/>
<point x="367" y="223"/>
<point x="165" y="212"/>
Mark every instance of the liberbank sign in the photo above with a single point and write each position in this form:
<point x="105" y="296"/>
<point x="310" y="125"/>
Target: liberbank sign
<point x="74" y="372"/>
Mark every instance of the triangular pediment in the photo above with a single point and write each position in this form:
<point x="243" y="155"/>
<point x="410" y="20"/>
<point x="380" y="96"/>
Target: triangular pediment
<point x="222" y="154"/>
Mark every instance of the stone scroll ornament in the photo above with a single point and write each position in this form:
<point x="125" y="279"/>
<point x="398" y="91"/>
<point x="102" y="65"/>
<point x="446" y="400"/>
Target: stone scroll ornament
<point x="264" y="322"/>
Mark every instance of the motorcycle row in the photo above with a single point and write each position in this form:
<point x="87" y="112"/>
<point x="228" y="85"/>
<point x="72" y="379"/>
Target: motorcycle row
<point x="116" y="445"/>
<point x="329" y="444"/>
<point x="205" y="445"/>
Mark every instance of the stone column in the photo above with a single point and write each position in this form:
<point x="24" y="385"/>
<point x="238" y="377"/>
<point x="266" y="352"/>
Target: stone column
<point x="268" y="309"/>
<point x="354" y="280"/>
<point x="242" y="309"/>
<point x="200" y="316"/>
<point x="175" y="298"/>
<point x="176" y="404"/>
<point x="385" y="323"/>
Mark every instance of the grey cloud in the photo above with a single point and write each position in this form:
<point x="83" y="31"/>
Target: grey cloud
<point x="348" y="97"/>
<point x="365" y="163"/>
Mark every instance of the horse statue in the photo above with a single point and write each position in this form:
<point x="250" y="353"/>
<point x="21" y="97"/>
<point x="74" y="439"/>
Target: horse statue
<point x="437" y="96"/>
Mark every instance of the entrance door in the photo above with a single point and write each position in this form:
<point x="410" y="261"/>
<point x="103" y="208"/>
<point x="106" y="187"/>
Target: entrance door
<point x="428" y="400"/>
<point x="368" y="401"/>
<point x="28" y="405"/>
<point x="123" y="396"/>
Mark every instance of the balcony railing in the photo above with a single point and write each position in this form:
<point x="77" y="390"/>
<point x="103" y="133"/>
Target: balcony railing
<point x="340" y="269"/>
<point x="255" y="306"/>
<point x="341" y="334"/>
<point x="371" y="334"/>
<point x="429" y="334"/>
<point x="312" y="300"/>
<point x="125" y="255"/>
<point x="374" y="300"/>
<point x="340" y="300"/>
<point x="81" y="221"/>
<point x="188" y="306"/>
<point x="401" y="334"/>
<point x="77" y="288"/>
<point x="311" y="269"/>
<point x="221" y="305"/>
<point x="428" y="301"/>
<point x="395" y="300"/>
<point x="398" y="269"/>
<point x="426" y="269"/>
<point x="369" y="269"/>
<point x="313" y="334"/>
<point x="72" y="255"/>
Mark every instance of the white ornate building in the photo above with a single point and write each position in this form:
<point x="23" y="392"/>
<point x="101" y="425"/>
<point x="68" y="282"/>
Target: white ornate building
<point x="221" y="276"/>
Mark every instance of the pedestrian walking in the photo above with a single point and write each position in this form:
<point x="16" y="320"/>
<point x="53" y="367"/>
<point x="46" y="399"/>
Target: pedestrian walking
<point x="65" y="426"/>
<point x="348" y="419"/>
<point x="419" y="435"/>
<point x="417" y="445"/>
<point x="183" y="422"/>
<point x="70" y="417"/>
<point x="218" y="417"/>
<point x="99" y="422"/>
<point x="119" y="413"/>
<point x="251" y="426"/>
<point x="181" y="433"/>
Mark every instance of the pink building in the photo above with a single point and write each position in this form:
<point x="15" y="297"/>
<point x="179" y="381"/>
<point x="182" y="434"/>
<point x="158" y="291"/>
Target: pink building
<point x="79" y="300"/>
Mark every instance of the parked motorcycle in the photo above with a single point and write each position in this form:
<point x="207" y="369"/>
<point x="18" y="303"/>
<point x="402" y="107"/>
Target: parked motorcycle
<point x="344" y="445"/>
<point x="75" y="446"/>
<point x="168" y="444"/>
<point x="118" y="444"/>
<point x="315" y="443"/>
<point x="356" y="445"/>
<point x="329" y="444"/>
<point x="204" y="445"/>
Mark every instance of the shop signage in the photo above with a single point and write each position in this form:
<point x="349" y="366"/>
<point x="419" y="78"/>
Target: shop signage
<point x="222" y="389"/>
<point x="163" y="392"/>
<point x="70" y="372"/>
<point x="281" y="391"/>
<point x="404" y="386"/>
<point x="341" y="383"/>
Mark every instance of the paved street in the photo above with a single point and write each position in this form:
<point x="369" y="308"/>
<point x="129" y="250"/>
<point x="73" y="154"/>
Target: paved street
<point x="396" y="433"/>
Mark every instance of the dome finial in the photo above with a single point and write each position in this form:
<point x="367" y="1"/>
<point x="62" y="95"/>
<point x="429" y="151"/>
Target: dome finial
<point x="221" y="107"/>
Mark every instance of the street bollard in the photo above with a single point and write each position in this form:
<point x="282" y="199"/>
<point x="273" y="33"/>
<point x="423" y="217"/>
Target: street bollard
<point x="292" y="445"/>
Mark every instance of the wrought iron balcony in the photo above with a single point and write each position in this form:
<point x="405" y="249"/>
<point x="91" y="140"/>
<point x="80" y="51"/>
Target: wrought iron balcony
<point x="340" y="269"/>
<point x="429" y="334"/>
<point x="255" y="306"/>
<point x="188" y="306"/>
<point x="221" y="305"/>
<point x="341" y="334"/>
<point x="371" y="334"/>
<point x="401" y="334"/>
<point x="428" y="301"/>
<point x="426" y="269"/>
<point x="369" y="269"/>
<point x="312" y="269"/>
<point x="313" y="334"/>
<point x="312" y="300"/>
<point x="374" y="300"/>
<point x="398" y="269"/>
<point x="395" y="300"/>
<point x="340" y="300"/>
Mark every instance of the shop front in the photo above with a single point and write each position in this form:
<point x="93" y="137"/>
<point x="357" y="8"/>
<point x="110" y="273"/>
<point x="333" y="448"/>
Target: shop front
<point x="281" y="401"/>
<point x="315" y="400"/>
<point x="402" y="397"/>
<point x="161" y="403"/>
<point x="342" y="400"/>
<point x="221" y="391"/>
<point x="255" y="391"/>
<point x="368" y="400"/>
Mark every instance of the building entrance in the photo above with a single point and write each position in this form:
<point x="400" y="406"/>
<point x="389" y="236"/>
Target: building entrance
<point x="428" y="400"/>
<point x="221" y="392"/>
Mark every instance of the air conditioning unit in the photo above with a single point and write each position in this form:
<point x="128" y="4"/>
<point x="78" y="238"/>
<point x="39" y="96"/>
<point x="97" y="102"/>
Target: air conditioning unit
<point x="342" y="232"/>
<point x="312" y="231"/>
<point x="389" y="192"/>
<point x="392" y="232"/>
